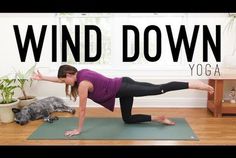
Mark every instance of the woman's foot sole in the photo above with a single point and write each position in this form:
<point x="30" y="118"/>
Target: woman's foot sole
<point x="166" y="121"/>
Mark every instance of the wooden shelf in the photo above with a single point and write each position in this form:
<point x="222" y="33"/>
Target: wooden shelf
<point x="227" y="103"/>
<point x="215" y="104"/>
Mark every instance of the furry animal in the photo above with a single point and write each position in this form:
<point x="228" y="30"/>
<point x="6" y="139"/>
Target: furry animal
<point x="41" y="109"/>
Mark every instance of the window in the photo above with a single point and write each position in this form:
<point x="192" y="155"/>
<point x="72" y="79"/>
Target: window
<point x="103" y="21"/>
<point x="111" y="26"/>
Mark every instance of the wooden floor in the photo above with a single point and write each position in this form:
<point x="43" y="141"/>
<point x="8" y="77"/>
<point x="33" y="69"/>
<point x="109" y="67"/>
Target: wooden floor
<point x="210" y="130"/>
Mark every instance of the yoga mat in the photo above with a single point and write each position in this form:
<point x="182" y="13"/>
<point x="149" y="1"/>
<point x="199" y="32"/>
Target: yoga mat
<point x="114" y="129"/>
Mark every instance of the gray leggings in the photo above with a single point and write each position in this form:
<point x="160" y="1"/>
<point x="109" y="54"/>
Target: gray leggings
<point x="130" y="89"/>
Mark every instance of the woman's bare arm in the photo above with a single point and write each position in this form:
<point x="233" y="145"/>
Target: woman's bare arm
<point x="39" y="76"/>
<point x="51" y="79"/>
<point x="83" y="95"/>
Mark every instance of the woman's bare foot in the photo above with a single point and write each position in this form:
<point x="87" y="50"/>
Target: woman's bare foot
<point x="163" y="120"/>
<point x="201" y="86"/>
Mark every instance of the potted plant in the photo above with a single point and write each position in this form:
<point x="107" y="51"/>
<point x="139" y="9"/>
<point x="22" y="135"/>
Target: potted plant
<point x="22" y="79"/>
<point x="7" y="102"/>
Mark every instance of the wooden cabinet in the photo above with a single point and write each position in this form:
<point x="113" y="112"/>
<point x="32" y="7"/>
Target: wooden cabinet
<point x="215" y="102"/>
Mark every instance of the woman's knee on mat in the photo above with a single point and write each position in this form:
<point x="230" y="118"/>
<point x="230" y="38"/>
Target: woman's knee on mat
<point x="128" y="119"/>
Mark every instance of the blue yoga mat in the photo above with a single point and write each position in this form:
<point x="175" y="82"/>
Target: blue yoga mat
<point x="114" y="129"/>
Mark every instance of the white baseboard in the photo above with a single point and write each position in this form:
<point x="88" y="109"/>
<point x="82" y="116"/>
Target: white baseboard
<point x="150" y="102"/>
<point x="170" y="102"/>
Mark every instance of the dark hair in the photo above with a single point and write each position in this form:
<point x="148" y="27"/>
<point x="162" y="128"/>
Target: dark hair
<point x="67" y="69"/>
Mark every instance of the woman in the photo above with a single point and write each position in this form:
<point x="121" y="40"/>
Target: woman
<point x="103" y="90"/>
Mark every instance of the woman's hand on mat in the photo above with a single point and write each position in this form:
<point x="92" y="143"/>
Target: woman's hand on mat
<point x="72" y="132"/>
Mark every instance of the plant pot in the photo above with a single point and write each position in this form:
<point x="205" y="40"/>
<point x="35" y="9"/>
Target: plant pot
<point x="26" y="102"/>
<point x="6" y="114"/>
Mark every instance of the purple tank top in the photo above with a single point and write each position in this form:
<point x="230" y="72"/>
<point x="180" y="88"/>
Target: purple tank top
<point x="104" y="88"/>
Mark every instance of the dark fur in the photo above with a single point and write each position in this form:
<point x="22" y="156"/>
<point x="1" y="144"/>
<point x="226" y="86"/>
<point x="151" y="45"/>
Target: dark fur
<point x="41" y="109"/>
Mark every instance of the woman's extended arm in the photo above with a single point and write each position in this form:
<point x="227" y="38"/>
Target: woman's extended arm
<point x="39" y="76"/>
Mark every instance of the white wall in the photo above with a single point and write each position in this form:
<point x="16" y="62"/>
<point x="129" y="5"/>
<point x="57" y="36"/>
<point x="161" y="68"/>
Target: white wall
<point x="182" y="98"/>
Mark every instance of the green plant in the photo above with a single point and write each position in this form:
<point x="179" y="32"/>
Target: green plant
<point x="230" y="26"/>
<point x="7" y="90"/>
<point x="22" y="78"/>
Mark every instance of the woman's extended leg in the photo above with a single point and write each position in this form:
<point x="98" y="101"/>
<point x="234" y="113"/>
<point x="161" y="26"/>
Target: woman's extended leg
<point x="130" y="87"/>
<point x="201" y="86"/>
